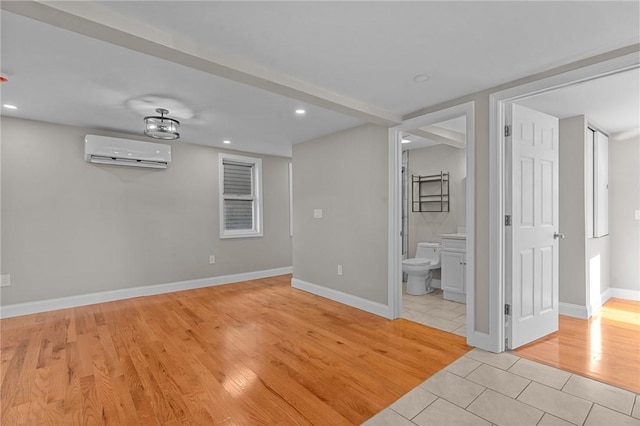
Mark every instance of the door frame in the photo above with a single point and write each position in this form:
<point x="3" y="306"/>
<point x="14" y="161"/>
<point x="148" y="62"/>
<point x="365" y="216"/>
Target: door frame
<point x="498" y="101"/>
<point x="466" y="109"/>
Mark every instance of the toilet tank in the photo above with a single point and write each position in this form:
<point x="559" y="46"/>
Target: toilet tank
<point x="429" y="251"/>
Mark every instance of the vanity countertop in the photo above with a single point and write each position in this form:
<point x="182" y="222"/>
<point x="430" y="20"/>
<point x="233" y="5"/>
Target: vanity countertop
<point x="457" y="236"/>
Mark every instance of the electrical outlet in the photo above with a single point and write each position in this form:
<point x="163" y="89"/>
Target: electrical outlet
<point x="339" y="269"/>
<point x="5" y="280"/>
<point x="212" y="260"/>
<point x="317" y="213"/>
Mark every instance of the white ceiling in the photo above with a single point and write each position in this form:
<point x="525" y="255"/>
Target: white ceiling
<point x="345" y="62"/>
<point x="612" y="102"/>
<point x="457" y="127"/>
<point x="61" y="77"/>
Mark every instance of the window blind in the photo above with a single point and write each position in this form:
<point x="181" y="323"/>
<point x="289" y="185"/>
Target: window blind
<point x="238" y="196"/>
<point x="237" y="179"/>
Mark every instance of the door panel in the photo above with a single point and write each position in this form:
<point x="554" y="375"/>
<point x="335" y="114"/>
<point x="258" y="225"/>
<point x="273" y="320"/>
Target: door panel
<point x="533" y="254"/>
<point x="452" y="271"/>
<point x="526" y="192"/>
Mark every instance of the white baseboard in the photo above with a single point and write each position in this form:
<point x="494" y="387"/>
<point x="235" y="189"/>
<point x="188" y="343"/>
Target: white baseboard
<point x="344" y="298"/>
<point x="623" y="293"/>
<point x="127" y="293"/>
<point x="606" y="295"/>
<point x="586" y="312"/>
<point x="576" y="311"/>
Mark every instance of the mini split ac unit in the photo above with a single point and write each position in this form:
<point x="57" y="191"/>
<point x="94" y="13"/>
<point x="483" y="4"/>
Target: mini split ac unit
<point x="125" y="152"/>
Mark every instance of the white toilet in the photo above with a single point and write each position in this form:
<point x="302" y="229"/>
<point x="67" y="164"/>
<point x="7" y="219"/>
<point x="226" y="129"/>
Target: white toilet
<point x="419" y="269"/>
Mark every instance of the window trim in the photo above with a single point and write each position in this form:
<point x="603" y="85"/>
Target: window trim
<point x="256" y="164"/>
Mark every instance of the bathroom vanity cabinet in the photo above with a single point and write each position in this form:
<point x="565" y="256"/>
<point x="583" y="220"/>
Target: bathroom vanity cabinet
<point x="454" y="265"/>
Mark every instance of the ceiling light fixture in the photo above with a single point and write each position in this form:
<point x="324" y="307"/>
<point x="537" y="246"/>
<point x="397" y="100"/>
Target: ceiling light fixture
<point x="161" y="127"/>
<point x="406" y="141"/>
<point x="301" y="112"/>
<point x="227" y="142"/>
<point x="9" y="106"/>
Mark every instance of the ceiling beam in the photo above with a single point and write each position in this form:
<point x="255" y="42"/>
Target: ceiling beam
<point x="457" y="137"/>
<point x="93" y="20"/>
<point x="440" y="135"/>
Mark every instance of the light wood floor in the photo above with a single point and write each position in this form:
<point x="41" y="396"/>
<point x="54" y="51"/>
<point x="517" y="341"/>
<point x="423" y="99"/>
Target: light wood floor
<point x="606" y="347"/>
<point x="257" y="352"/>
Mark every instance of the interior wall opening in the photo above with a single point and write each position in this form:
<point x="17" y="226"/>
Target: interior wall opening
<point x="434" y="213"/>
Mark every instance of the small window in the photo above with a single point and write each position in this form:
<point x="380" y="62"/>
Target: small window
<point x="240" y="196"/>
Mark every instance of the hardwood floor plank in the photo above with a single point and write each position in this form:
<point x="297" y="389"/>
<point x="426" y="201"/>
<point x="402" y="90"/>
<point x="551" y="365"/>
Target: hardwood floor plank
<point x="73" y="393"/>
<point x="256" y="352"/>
<point x="605" y="347"/>
<point x="54" y="414"/>
<point x="92" y="411"/>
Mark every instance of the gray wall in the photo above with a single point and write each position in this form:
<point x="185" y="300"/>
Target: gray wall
<point x="346" y="175"/>
<point x="624" y="200"/>
<point x="598" y="269"/>
<point x="433" y="160"/>
<point x="70" y="227"/>
<point x="573" y="249"/>
<point x="584" y="262"/>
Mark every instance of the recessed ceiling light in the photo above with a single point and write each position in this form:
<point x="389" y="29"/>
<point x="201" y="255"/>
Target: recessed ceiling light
<point x="301" y="112"/>
<point x="227" y="142"/>
<point x="9" y="106"/>
<point x="406" y="141"/>
<point x="421" y="78"/>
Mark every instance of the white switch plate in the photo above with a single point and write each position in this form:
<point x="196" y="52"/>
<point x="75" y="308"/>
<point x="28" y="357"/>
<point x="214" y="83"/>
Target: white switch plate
<point x="5" y="280"/>
<point x="212" y="260"/>
<point x="317" y="213"/>
<point x="637" y="214"/>
<point x="339" y="269"/>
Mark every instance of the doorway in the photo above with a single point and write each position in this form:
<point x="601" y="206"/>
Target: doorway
<point x="434" y="225"/>
<point x="500" y="268"/>
<point x="421" y="131"/>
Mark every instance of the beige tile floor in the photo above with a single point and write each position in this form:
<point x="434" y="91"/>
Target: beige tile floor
<point x="482" y="388"/>
<point x="432" y="310"/>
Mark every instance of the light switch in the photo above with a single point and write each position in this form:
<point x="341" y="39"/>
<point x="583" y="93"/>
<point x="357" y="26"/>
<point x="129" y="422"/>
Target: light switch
<point x="5" y="280"/>
<point x="317" y="213"/>
<point x="637" y="214"/>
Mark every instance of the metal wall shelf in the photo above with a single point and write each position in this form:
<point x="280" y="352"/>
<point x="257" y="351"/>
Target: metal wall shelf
<point x="430" y="193"/>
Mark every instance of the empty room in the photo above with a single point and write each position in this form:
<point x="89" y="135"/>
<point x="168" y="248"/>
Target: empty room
<point x="327" y="213"/>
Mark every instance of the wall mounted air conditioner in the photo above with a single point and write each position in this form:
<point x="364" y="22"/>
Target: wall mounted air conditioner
<point x="125" y="152"/>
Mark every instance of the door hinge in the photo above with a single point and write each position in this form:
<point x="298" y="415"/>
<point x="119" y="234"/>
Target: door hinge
<point x="507" y="220"/>
<point x="507" y="309"/>
<point x="507" y="130"/>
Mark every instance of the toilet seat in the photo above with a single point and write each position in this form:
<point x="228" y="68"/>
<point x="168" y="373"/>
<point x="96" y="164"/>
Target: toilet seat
<point x="416" y="262"/>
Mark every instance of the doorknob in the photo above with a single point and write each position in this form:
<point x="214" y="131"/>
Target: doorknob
<point x="558" y="235"/>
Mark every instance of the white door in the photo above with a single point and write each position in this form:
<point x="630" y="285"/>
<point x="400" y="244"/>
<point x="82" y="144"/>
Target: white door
<point x="532" y="239"/>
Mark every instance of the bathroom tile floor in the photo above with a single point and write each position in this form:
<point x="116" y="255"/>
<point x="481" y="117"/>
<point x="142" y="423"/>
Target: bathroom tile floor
<point x="482" y="388"/>
<point x="432" y="310"/>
